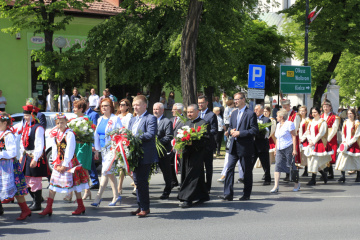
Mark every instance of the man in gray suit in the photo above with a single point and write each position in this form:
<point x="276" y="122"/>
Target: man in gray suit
<point x="164" y="134"/>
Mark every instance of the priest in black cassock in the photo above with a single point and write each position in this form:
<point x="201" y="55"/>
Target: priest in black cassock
<point x="193" y="187"/>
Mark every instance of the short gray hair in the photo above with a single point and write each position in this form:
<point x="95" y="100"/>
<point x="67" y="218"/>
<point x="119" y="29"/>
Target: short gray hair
<point x="161" y="105"/>
<point x="259" y="105"/>
<point x="179" y="106"/>
<point x="283" y="113"/>
<point x="194" y="106"/>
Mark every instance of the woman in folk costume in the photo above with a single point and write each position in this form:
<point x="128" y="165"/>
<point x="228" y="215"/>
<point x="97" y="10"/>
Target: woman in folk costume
<point x="107" y="123"/>
<point x="33" y="160"/>
<point x="349" y="150"/>
<point x="296" y="119"/>
<point x="333" y="123"/>
<point x="303" y="137"/>
<point x="318" y="151"/>
<point x="68" y="175"/>
<point x="12" y="180"/>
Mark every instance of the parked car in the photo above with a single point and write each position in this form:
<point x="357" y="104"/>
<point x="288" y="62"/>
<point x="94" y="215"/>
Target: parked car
<point x="50" y="124"/>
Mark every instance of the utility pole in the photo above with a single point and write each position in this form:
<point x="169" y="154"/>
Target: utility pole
<point x="306" y="54"/>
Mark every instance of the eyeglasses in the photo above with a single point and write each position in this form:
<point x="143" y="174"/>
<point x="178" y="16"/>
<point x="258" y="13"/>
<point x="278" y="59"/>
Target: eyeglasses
<point x="122" y="105"/>
<point x="105" y="105"/>
<point x="238" y="99"/>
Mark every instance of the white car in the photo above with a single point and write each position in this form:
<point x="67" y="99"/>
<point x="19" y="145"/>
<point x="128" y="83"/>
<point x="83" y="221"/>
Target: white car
<point x="50" y="124"/>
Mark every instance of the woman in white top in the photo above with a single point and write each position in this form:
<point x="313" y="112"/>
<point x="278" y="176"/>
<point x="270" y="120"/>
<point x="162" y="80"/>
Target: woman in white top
<point x="285" y="150"/>
<point x="349" y="150"/>
<point x="319" y="151"/>
<point x="106" y="123"/>
<point x="125" y="114"/>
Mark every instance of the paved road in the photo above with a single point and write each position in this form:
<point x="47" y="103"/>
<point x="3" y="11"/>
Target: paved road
<point x="329" y="211"/>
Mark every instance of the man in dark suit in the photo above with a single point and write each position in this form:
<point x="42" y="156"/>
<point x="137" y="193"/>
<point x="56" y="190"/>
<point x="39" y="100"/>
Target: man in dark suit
<point x="144" y="126"/>
<point x="262" y="145"/>
<point x="165" y="134"/>
<point x="243" y="128"/>
<point x="177" y="124"/>
<point x="211" y="118"/>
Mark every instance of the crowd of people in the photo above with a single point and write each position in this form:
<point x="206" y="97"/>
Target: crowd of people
<point x="292" y="141"/>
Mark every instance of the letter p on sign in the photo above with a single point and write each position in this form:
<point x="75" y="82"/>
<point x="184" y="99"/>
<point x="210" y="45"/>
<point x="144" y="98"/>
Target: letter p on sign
<point x="257" y="72"/>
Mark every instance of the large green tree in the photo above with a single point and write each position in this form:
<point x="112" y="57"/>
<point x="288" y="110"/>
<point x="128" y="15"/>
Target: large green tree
<point x="45" y="17"/>
<point x="334" y="32"/>
<point x="140" y="46"/>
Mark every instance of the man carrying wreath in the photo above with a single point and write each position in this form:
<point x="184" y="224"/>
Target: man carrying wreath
<point x="193" y="186"/>
<point x="144" y="126"/>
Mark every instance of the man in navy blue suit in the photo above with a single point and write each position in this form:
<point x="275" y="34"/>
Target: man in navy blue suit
<point x="243" y="128"/>
<point x="262" y="145"/>
<point x="211" y="118"/>
<point x="144" y="125"/>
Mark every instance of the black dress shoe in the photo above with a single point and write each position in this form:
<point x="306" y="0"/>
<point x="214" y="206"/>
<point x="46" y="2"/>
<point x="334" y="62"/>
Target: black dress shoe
<point x="240" y="180"/>
<point x="174" y="185"/>
<point x="244" y="198"/>
<point x="94" y="186"/>
<point x="185" y="204"/>
<point x="266" y="183"/>
<point x="226" y="198"/>
<point x="164" y="196"/>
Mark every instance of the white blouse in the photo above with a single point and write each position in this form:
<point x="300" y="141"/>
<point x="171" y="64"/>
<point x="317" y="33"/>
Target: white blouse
<point x="39" y="143"/>
<point x="69" y="150"/>
<point x="350" y="140"/>
<point x="283" y="135"/>
<point x="126" y="119"/>
<point x="322" y="131"/>
<point x="10" y="145"/>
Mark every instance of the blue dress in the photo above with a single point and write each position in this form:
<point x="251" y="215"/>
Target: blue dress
<point x="101" y="131"/>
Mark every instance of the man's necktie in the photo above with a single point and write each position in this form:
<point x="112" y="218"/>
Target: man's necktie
<point x="135" y="126"/>
<point x="175" y="120"/>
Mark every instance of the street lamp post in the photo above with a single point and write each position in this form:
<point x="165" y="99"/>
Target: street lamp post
<point x="60" y="43"/>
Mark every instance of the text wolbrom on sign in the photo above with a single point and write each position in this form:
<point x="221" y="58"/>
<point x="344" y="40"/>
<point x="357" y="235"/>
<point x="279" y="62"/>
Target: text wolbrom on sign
<point x="295" y="79"/>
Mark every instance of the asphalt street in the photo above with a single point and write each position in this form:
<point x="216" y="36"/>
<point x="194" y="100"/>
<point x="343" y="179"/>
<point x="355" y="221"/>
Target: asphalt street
<point x="330" y="211"/>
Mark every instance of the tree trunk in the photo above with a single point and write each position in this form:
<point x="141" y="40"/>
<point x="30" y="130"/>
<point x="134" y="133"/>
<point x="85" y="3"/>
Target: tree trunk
<point x="53" y="90"/>
<point x="155" y="93"/>
<point x="188" y="52"/>
<point x="325" y="79"/>
<point x="209" y="93"/>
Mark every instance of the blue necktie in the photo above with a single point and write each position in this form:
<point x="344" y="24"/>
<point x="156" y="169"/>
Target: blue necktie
<point x="238" y="119"/>
<point x="135" y="126"/>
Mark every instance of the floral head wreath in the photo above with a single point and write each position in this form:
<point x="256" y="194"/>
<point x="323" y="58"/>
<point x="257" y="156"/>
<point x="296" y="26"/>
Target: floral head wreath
<point x="60" y="115"/>
<point x="5" y="117"/>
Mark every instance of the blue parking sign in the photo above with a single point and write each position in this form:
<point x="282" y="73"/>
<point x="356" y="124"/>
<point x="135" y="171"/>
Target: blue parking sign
<point x="256" y="76"/>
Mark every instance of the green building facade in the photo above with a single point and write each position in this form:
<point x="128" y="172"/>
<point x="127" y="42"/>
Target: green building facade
<point x="18" y="73"/>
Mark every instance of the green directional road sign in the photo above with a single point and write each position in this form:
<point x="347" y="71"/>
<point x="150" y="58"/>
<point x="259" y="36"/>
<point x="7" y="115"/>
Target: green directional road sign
<point x="295" y="79"/>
